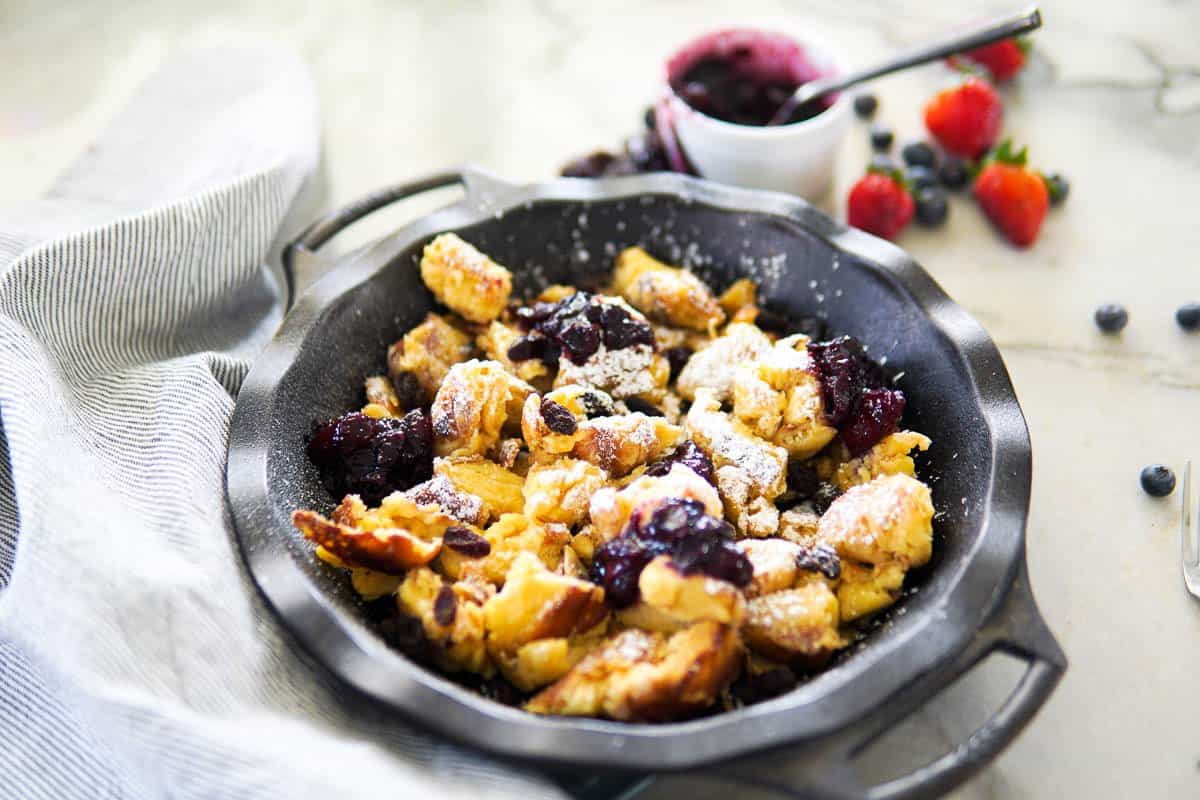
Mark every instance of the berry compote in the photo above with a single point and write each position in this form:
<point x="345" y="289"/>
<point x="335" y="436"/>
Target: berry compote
<point x="743" y="76"/>
<point x="679" y="528"/>
<point x="372" y="458"/>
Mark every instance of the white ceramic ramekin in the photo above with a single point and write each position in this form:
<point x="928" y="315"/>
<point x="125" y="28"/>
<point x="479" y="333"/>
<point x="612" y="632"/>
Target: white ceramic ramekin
<point x="797" y="158"/>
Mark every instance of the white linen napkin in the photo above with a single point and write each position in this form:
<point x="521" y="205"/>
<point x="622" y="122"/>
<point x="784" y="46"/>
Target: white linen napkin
<point x="136" y="660"/>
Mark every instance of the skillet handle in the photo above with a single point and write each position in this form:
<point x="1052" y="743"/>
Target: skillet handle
<point x="1016" y="628"/>
<point x="301" y="265"/>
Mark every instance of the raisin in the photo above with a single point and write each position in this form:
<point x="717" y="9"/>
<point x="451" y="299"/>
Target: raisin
<point x="825" y="495"/>
<point x="820" y="558"/>
<point x="558" y="417"/>
<point x="445" y="606"/>
<point x="677" y="357"/>
<point x="802" y="480"/>
<point x="640" y="406"/>
<point x="596" y="404"/>
<point x="466" y="542"/>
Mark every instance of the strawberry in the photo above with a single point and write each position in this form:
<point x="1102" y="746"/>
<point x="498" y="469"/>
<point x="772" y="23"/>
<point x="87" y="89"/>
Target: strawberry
<point x="1002" y="59"/>
<point x="1012" y="196"/>
<point x="966" y="119"/>
<point x="880" y="204"/>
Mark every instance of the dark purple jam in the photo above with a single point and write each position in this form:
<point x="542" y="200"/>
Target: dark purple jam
<point x="743" y="77"/>
<point x="372" y="458"/>
<point x="695" y="541"/>
<point x="859" y="402"/>
<point x="690" y="456"/>
<point x="575" y="327"/>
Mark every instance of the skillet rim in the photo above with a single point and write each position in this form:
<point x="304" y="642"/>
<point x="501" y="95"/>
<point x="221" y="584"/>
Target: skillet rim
<point x="848" y="693"/>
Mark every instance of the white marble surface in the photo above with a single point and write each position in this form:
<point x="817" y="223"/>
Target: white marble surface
<point x="1112" y="99"/>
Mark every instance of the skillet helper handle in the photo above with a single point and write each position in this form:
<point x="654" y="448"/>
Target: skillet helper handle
<point x="302" y="266"/>
<point x="1016" y="628"/>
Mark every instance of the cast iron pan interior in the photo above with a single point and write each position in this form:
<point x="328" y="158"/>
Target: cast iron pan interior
<point x="569" y="231"/>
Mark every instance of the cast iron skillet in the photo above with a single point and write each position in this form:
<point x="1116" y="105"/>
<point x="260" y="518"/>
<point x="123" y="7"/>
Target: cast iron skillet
<point x="973" y="600"/>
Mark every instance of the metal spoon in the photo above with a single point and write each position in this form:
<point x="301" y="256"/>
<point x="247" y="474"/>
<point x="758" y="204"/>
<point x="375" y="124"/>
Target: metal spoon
<point x="1013" y="24"/>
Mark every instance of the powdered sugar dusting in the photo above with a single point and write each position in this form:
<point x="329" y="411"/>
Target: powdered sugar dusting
<point x="463" y="506"/>
<point x="622" y="373"/>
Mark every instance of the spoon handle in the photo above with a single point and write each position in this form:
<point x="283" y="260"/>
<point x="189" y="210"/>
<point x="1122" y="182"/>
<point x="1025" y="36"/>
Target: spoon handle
<point x="958" y="41"/>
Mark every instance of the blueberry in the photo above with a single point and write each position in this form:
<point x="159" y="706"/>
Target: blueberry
<point x="1059" y="187"/>
<point x="918" y="154"/>
<point x="1111" y="317"/>
<point x="1188" y="316"/>
<point x="1158" y="480"/>
<point x="953" y="173"/>
<point x="882" y="138"/>
<point x="645" y="151"/>
<point x="921" y="177"/>
<point x="865" y="105"/>
<point x="882" y="162"/>
<point x="931" y="206"/>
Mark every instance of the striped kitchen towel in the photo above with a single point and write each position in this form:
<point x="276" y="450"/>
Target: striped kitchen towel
<point x="136" y="660"/>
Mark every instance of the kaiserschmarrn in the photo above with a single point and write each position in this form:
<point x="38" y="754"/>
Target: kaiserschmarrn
<point x="631" y="503"/>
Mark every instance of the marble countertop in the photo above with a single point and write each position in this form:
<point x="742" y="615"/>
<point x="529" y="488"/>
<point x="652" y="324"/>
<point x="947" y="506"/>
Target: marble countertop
<point x="1111" y="99"/>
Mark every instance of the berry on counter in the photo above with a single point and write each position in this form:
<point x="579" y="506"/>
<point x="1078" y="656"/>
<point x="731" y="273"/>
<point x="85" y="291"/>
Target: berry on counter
<point x="932" y="208"/>
<point x="965" y="120"/>
<point x="1188" y="316"/>
<point x="882" y="138"/>
<point x="1012" y="196"/>
<point x="1002" y="59"/>
<point x="1058" y="186"/>
<point x="1158" y="480"/>
<point x="865" y="105"/>
<point x="882" y="162"/>
<point x="920" y="177"/>
<point x="918" y="154"/>
<point x="879" y="204"/>
<point x="953" y="173"/>
<point x="1111" y="317"/>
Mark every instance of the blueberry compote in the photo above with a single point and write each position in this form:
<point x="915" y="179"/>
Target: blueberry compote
<point x="372" y="457"/>
<point x="690" y="456"/>
<point x="695" y="541"/>
<point x="859" y="400"/>
<point x="743" y="77"/>
<point x="575" y="327"/>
